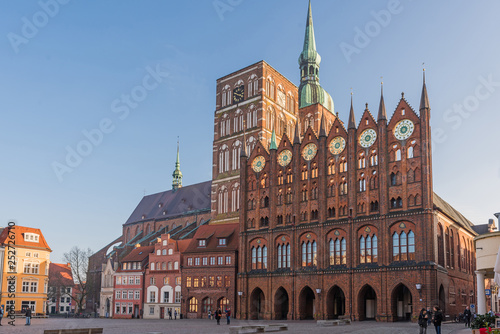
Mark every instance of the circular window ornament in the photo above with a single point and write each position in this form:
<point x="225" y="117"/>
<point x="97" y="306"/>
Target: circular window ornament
<point x="404" y="129"/>
<point x="337" y="145"/>
<point x="367" y="138"/>
<point x="309" y="152"/>
<point x="284" y="158"/>
<point x="258" y="163"/>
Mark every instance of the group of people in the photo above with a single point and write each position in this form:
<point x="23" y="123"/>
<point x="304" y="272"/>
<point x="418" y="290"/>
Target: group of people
<point x="426" y="317"/>
<point x="436" y="317"/>
<point x="218" y="315"/>
<point x="170" y="314"/>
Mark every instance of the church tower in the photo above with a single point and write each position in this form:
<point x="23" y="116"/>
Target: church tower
<point x="177" y="174"/>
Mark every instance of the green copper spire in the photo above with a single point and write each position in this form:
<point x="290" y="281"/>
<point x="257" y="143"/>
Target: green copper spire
<point x="310" y="91"/>
<point x="309" y="53"/>
<point x="177" y="174"/>
<point x="272" y="145"/>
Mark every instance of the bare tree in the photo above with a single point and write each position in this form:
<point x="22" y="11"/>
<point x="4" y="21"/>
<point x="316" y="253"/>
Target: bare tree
<point x="79" y="260"/>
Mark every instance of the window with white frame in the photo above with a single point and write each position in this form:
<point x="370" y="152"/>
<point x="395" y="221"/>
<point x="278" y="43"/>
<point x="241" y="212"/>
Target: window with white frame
<point x="137" y="294"/>
<point x="31" y="237"/>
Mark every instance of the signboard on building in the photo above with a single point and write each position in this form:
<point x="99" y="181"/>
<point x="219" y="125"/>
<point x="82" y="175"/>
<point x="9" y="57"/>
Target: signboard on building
<point x="487" y="292"/>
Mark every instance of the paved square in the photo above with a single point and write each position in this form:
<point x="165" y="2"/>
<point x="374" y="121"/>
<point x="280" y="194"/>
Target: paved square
<point x="204" y="326"/>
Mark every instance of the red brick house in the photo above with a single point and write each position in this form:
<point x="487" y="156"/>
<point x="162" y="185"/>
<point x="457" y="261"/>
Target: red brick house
<point x="209" y="267"/>
<point x="129" y="283"/>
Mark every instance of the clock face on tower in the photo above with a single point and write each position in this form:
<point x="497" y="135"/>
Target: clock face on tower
<point x="238" y="94"/>
<point x="337" y="145"/>
<point x="258" y="163"/>
<point x="404" y="129"/>
<point x="309" y="152"/>
<point x="367" y="138"/>
<point x="284" y="158"/>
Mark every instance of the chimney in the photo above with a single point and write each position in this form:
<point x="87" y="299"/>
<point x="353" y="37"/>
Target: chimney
<point x="68" y="264"/>
<point x="498" y="217"/>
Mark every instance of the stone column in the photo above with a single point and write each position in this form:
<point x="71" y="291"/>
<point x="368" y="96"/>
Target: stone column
<point x="481" y="298"/>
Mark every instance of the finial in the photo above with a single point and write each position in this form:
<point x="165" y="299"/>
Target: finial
<point x="366" y="105"/>
<point x="351" y="91"/>
<point x="402" y="95"/>
<point x="423" y="71"/>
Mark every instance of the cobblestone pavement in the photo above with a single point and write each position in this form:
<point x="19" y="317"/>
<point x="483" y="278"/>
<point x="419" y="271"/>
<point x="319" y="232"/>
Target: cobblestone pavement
<point x="134" y="326"/>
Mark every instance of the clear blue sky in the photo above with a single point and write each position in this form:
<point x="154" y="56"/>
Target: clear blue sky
<point x="61" y="74"/>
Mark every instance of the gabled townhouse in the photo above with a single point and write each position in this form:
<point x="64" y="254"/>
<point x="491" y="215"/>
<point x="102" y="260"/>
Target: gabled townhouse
<point x="129" y="283"/>
<point x="163" y="279"/>
<point x="209" y="268"/>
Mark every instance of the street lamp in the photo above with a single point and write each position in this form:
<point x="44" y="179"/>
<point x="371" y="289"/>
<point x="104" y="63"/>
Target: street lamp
<point x="318" y="291"/>
<point x="419" y="288"/>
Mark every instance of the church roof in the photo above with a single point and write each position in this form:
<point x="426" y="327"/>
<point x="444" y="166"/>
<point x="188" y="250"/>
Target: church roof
<point x="443" y="206"/>
<point x="170" y="203"/>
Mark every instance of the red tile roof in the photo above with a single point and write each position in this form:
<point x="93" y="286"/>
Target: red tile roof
<point x="139" y="254"/>
<point x="214" y="232"/>
<point x="19" y="232"/>
<point x="60" y="275"/>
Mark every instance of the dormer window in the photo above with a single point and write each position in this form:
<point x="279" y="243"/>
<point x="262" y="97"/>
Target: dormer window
<point x="202" y="243"/>
<point x="31" y="237"/>
<point x="222" y="241"/>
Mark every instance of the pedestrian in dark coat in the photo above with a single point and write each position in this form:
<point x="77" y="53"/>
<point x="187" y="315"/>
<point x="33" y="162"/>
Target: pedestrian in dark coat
<point x="422" y="321"/>
<point x="218" y="315"/>
<point x="28" y="316"/>
<point x="467" y="316"/>
<point x="437" y="319"/>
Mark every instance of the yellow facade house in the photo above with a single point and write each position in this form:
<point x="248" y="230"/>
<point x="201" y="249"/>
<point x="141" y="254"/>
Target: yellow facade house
<point x="25" y="280"/>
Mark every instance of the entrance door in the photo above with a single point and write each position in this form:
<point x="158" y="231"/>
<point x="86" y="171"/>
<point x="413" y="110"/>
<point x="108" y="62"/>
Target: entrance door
<point x="136" y="311"/>
<point x="257" y="304"/>
<point x="162" y="313"/>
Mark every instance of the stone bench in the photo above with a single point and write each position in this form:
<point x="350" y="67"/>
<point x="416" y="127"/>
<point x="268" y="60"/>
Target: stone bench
<point x="328" y="323"/>
<point x="74" y="331"/>
<point x="258" y="328"/>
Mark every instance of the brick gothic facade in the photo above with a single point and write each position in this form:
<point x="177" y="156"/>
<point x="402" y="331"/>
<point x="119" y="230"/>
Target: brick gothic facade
<point x="344" y="222"/>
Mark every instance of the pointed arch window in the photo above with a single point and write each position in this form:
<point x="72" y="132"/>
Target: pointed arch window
<point x="368" y="249"/>
<point x="309" y="253"/>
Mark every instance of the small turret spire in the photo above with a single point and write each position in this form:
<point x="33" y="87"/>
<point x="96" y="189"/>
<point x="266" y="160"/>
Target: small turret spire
<point x="272" y="145"/>
<point x="296" y="139"/>
<point x="352" y="120"/>
<point x="177" y="174"/>
<point x="424" y="99"/>
<point x="382" y="115"/>
<point x="243" y="152"/>
<point x="322" y="126"/>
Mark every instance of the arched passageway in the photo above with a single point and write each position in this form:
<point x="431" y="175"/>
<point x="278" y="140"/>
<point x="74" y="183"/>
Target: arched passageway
<point x="306" y="303"/>
<point x="367" y="303"/>
<point x="281" y="304"/>
<point x="335" y="303"/>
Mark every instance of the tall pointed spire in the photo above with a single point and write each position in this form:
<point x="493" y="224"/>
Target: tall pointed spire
<point x="322" y="126"/>
<point x="309" y="49"/>
<point x="310" y="91"/>
<point x="177" y="174"/>
<point x="352" y="121"/>
<point x="272" y="145"/>
<point x="382" y="115"/>
<point x="424" y="99"/>
<point x="296" y="139"/>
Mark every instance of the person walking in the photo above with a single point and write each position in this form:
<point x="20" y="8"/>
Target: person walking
<point x="218" y="315"/>
<point x="170" y="314"/>
<point x="437" y="319"/>
<point x="422" y="321"/>
<point x="429" y="316"/>
<point x="467" y="316"/>
<point x="28" y="316"/>
<point x="1" y="314"/>
<point x="209" y="314"/>
<point x="175" y="315"/>
<point x="228" y="315"/>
